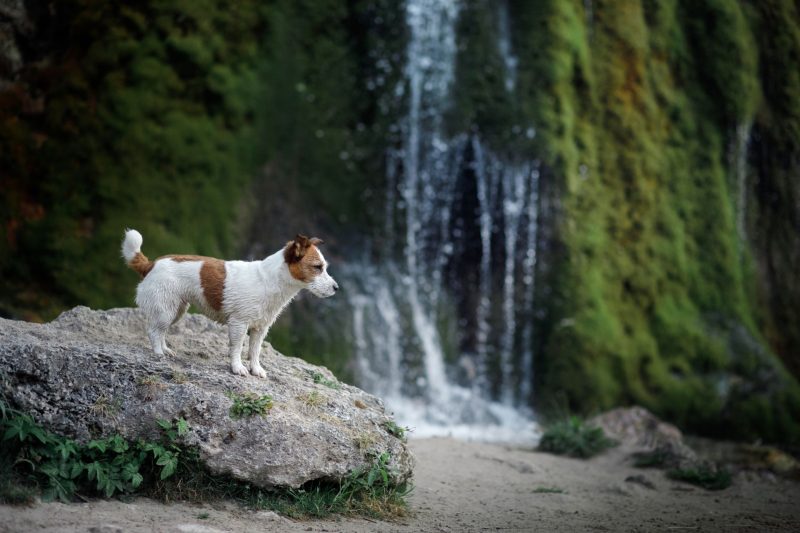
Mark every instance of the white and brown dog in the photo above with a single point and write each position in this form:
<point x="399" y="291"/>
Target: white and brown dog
<point x="248" y="296"/>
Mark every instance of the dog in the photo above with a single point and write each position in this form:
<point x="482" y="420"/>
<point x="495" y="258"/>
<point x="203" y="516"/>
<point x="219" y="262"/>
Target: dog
<point x="248" y="296"/>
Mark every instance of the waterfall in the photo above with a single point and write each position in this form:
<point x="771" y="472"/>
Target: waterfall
<point x="450" y="355"/>
<point x="504" y="46"/>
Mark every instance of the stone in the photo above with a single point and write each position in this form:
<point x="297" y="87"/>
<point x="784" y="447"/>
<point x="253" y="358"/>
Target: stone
<point x="638" y="428"/>
<point x="91" y="373"/>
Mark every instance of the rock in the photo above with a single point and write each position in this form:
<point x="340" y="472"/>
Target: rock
<point x="638" y="428"/>
<point x="91" y="373"/>
<point x="640" y="480"/>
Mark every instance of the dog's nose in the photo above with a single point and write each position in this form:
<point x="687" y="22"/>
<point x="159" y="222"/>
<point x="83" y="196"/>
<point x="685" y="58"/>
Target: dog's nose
<point x="335" y="287"/>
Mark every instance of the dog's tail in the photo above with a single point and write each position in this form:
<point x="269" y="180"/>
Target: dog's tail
<point x="132" y="252"/>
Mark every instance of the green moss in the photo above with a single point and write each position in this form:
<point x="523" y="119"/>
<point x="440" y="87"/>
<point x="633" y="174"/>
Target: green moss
<point x="145" y="125"/>
<point x="651" y="262"/>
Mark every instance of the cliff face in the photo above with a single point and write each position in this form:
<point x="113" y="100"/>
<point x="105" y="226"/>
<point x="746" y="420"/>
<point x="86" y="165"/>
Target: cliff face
<point x="666" y="135"/>
<point x="645" y="112"/>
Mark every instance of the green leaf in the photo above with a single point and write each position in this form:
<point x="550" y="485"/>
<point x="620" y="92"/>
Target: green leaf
<point x="99" y="445"/>
<point x="118" y="444"/>
<point x="169" y="468"/>
<point x="165" y="424"/>
<point x="39" y="433"/>
<point x="165" y="458"/>
<point x="76" y="470"/>
<point x="136" y="480"/>
<point x="92" y="470"/>
<point x="11" y="432"/>
<point x="183" y="427"/>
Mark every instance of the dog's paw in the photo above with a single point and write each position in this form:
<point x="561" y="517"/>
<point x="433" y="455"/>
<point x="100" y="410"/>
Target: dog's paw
<point x="239" y="369"/>
<point x="257" y="371"/>
<point x="169" y="352"/>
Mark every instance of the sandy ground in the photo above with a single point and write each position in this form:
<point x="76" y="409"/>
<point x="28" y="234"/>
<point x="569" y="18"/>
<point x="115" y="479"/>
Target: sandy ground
<point x="463" y="486"/>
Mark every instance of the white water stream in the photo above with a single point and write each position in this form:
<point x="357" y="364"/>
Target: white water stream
<point x="401" y="309"/>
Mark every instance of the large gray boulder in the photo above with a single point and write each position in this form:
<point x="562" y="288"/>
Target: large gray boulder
<point x="92" y="373"/>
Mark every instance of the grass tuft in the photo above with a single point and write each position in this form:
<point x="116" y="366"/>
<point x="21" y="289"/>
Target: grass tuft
<point x="320" y="379"/>
<point x="398" y="431"/>
<point x="574" y="438"/>
<point x="249" y="404"/>
<point x="705" y="476"/>
<point x="312" y="399"/>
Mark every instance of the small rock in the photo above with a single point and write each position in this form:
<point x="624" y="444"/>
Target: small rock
<point x="641" y="480"/>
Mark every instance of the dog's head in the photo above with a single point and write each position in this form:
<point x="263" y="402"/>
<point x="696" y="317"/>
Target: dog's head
<point x="307" y="265"/>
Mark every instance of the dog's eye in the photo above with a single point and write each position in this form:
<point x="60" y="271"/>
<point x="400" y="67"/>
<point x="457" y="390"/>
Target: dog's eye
<point x="318" y="267"/>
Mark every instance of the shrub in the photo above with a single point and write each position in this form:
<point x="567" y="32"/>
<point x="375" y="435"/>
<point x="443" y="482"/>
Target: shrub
<point x="59" y="467"/>
<point x="705" y="476"/>
<point x="574" y="438"/>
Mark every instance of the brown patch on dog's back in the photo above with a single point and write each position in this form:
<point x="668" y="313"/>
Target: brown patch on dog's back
<point x="302" y="257"/>
<point x="183" y="258"/>
<point x="212" y="277"/>
<point x="212" y="280"/>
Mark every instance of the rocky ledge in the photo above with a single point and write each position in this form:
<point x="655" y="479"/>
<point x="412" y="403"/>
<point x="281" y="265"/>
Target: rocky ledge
<point x="91" y="373"/>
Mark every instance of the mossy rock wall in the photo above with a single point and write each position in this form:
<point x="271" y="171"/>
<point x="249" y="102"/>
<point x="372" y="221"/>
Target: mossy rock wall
<point x="656" y="298"/>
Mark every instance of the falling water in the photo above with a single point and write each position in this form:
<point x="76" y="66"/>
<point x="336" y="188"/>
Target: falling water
<point x="434" y="383"/>
<point x="504" y="46"/>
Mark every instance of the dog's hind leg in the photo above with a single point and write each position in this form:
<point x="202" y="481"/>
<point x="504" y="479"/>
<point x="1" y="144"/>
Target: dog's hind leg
<point x="236" y="334"/>
<point x="160" y="315"/>
<point x="181" y="311"/>
<point x="157" y="332"/>
<point x="256" y="338"/>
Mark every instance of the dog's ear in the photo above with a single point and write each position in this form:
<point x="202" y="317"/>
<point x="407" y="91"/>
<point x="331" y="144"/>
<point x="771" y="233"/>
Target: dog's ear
<point x="296" y="249"/>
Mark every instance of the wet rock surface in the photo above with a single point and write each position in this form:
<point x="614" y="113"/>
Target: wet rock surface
<point x="92" y="373"/>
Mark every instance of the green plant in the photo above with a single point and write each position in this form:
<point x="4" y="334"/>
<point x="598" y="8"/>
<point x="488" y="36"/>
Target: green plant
<point x="706" y="476"/>
<point x="652" y="459"/>
<point x="574" y="438"/>
<point x="398" y="431"/>
<point x="60" y="467"/>
<point x="368" y="491"/>
<point x="320" y="379"/>
<point x="249" y="404"/>
<point x="33" y="460"/>
<point x="202" y="516"/>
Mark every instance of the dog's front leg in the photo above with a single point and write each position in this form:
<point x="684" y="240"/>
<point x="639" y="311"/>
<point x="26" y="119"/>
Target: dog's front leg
<point x="256" y="338"/>
<point x="236" y="333"/>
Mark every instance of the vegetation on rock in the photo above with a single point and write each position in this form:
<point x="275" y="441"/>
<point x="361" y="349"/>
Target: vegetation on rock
<point x="652" y="293"/>
<point x="35" y="461"/>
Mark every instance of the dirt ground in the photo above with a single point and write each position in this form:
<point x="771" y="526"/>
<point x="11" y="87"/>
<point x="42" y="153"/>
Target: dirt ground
<point x="461" y="487"/>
